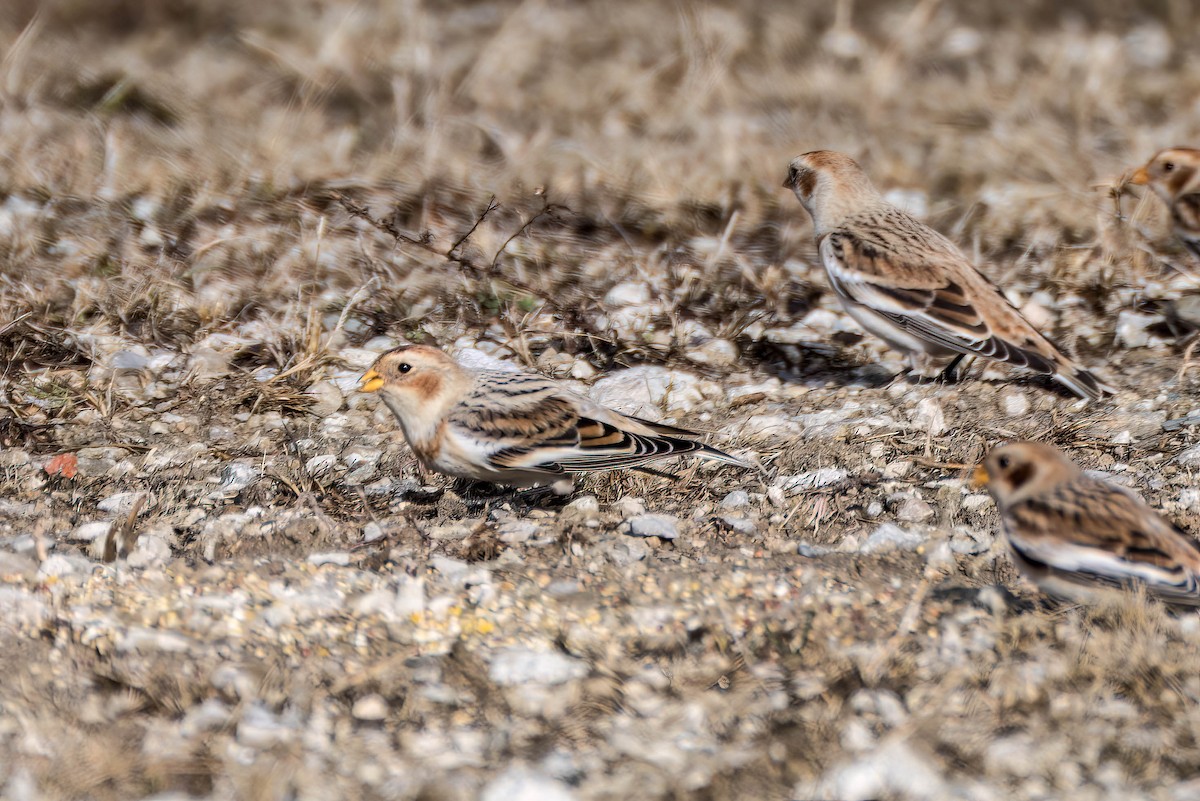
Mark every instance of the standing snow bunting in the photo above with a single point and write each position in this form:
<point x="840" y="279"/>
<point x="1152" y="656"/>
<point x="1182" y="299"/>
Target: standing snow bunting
<point x="1174" y="175"/>
<point x="912" y="287"/>
<point x="511" y="427"/>
<point x="1081" y="538"/>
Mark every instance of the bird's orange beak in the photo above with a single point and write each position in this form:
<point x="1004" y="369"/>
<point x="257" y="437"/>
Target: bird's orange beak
<point x="979" y="478"/>
<point x="1140" y="177"/>
<point x="370" y="382"/>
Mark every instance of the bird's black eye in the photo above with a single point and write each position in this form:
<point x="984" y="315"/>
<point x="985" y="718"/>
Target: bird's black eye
<point x="1168" y="166"/>
<point x="1003" y="462"/>
<point x="405" y="367"/>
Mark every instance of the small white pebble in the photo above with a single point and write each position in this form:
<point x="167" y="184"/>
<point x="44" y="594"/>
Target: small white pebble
<point x="737" y="499"/>
<point x="371" y="707"/>
<point x="1016" y="404"/>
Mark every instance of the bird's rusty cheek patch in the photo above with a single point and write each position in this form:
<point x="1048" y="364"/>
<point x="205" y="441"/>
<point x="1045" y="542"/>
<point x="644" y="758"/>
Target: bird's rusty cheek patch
<point x="806" y="182"/>
<point x="424" y="385"/>
<point x="1180" y="178"/>
<point x="1020" y="475"/>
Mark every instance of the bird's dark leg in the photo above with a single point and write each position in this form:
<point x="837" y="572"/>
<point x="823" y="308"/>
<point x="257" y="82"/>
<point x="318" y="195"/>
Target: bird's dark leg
<point x="950" y="374"/>
<point x="545" y="495"/>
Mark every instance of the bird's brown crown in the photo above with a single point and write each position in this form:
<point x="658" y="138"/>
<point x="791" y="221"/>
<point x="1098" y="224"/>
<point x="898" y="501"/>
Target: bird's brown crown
<point x="803" y="170"/>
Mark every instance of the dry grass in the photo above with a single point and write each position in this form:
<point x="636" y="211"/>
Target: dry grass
<point x="311" y="175"/>
<point x="173" y="167"/>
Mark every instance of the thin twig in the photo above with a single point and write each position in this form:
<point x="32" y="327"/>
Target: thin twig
<point x="122" y="537"/>
<point x="925" y="461"/>
<point x="477" y="272"/>
<point x="361" y="213"/>
<point x="547" y="208"/>
<point x="1187" y="361"/>
<point x="492" y="205"/>
<point x="13" y="323"/>
<point x="425" y="243"/>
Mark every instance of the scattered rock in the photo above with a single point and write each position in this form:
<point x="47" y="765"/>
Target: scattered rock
<point x="646" y="389"/>
<point x="929" y="417"/>
<point x="628" y="506"/>
<point x="738" y="499"/>
<point x="888" y="537"/>
<point x="15" y="457"/>
<point x="332" y="558"/>
<point x="363" y="463"/>
<point x="893" y="770"/>
<point x="58" y="565"/>
<point x="713" y="353"/>
<point x="914" y="510"/>
<point x="813" y="479"/>
<point x="515" y="532"/>
<point x="23" y="608"/>
<point x="630" y="293"/>
<point x="453" y="570"/>
<point x="327" y="398"/>
<point x="966" y="540"/>
<point x="521" y="784"/>
<point x="478" y="359"/>
<point x="320" y="465"/>
<point x="137" y="358"/>
<point x="584" y="507"/>
<point x="740" y="524"/>
<point x="122" y="503"/>
<point x="207" y="364"/>
<point x="371" y="708"/>
<point x="521" y="665"/>
<point x="663" y="526"/>
<point x="768" y="427"/>
<point x="90" y="532"/>
<point x="625" y="551"/>
<point x="1131" y="328"/>
<point x="582" y="370"/>
<point x="151" y="551"/>
<point x="1016" y="404"/>
<point x="236" y="476"/>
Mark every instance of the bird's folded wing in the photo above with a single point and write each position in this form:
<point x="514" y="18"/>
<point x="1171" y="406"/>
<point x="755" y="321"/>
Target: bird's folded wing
<point x="934" y="297"/>
<point x="508" y="417"/>
<point x="598" y="446"/>
<point x="1107" y="537"/>
<point x="518" y="421"/>
<point x="1186" y="213"/>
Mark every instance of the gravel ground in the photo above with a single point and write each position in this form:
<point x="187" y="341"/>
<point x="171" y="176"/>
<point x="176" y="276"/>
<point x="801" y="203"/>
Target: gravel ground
<point x="223" y="575"/>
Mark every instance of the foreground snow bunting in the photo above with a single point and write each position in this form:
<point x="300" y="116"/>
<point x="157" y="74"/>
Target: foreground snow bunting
<point x="1174" y="175"/>
<point x="909" y="285"/>
<point x="1080" y="538"/>
<point x="513" y="428"/>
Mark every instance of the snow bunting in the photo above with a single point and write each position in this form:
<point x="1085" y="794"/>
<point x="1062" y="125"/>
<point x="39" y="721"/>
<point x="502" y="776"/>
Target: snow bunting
<point x="1174" y="175"/>
<point x="1081" y="538"/>
<point x="909" y="285"/>
<point x="511" y="427"/>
